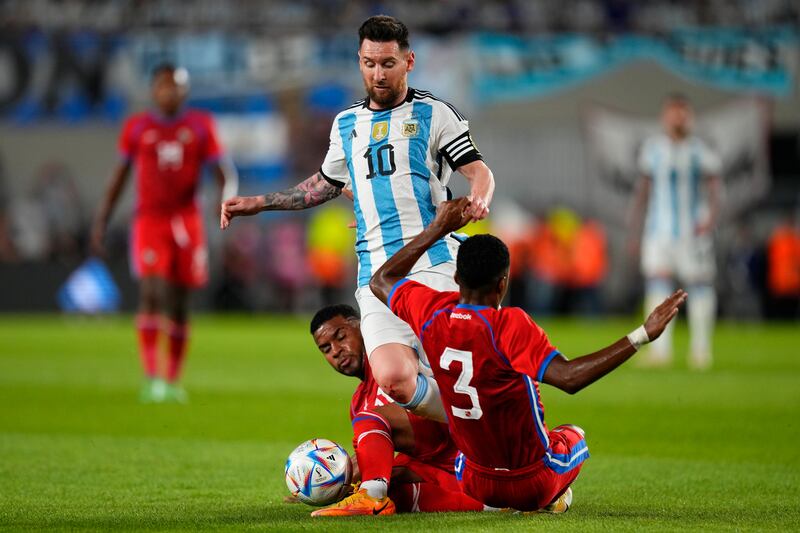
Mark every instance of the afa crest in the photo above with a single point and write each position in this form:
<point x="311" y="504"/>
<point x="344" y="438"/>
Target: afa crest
<point x="380" y="130"/>
<point x="410" y="128"/>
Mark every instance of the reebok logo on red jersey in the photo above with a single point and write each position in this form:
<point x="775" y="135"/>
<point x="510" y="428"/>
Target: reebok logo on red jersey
<point x="461" y="316"/>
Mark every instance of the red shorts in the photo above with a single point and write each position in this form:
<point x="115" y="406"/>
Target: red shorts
<point x="172" y="247"/>
<point x="432" y="442"/>
<point x="433" y="460"/>
<point x="435" y="474"/>
<point x="532" y="487"/>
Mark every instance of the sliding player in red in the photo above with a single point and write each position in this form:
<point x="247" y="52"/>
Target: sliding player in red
<point x="421" y="477"/>
<point x="489" y="361"/>
<point x="169" y="146"/>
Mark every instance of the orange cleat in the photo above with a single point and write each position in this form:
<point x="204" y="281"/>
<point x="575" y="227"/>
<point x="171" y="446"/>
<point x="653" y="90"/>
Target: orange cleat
<point x="359" y="504"/>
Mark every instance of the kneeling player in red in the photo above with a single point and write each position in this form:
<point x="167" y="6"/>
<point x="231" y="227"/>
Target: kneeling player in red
<point x="421" y="478"/>
<point x="489" y="362"/>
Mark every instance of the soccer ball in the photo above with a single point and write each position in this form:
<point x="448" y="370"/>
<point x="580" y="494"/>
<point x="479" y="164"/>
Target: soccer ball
<point x="318" y="472"/>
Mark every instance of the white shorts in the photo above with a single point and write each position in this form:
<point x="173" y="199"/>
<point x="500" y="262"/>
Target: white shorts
<point x="380" y="326"/>
<point x="689" y="260"/>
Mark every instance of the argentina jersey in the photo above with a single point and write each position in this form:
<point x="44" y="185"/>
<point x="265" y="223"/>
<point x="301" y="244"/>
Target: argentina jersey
<point x="678" y="198"/>
<point x="397" y="162"/>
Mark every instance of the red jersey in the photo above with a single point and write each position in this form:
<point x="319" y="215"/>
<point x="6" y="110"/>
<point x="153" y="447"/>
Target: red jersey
<point x="169" y="154"/>
<point x="488" y="363"/>
<point x="432" y="442"/>
<point x="367" y="395"/>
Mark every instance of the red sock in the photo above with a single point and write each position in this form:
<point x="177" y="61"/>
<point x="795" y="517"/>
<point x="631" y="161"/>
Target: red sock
<point x="372" y="437"/>
<point x="147" y="327"/>
<point x="178" y="337"/>
<point x="430" y="498"/>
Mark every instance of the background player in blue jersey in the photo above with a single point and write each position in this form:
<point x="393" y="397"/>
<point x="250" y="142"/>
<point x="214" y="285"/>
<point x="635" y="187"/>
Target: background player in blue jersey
<point x="679" y="192"/>
<point x="395" y="150"/>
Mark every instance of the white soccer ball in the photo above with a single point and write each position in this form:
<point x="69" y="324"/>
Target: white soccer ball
<point x="318" y="472"/>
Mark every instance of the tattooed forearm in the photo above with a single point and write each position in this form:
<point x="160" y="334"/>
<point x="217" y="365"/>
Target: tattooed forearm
<point x="309" y="193"/>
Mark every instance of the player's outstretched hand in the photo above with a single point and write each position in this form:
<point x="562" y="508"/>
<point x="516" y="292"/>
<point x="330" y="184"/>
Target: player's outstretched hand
<point x="239" y="206"/>
<point x="661" y="315"/>
<point x="453" y="214"/>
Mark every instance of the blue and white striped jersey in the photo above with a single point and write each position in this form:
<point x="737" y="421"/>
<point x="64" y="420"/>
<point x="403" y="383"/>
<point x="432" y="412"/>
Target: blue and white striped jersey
<point x="398" y="162"/>
<point x="678" y="199"/>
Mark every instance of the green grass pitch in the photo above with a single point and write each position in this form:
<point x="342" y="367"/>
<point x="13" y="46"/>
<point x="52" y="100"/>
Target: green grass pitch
<point x="671" y="449"/>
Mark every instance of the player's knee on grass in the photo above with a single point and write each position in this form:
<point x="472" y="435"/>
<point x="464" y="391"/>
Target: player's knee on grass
<point x="395" y="367"/>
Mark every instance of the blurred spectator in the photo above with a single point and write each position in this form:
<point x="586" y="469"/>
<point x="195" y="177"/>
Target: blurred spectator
<point x="514" y="225"/>
<point x="518" y="273"/>
<point x="783" y="269"/>
<point x="744" y="276"/>
<point x="63" y="214"/>
<point x="589" y="267"/>
<point x="567" y="262"/>
<point x="550" y="261"/>
<point x="460" y="15"/>
<point x="29" y="230"/>
<point x="541" y="269"/>
<point x="7" y="251"/>
<point x="310" y="116"/>
<point x="286" y="262"/>
<point x="330" y="251"/>
<point x="48" y="223"/>
<point x="240" y="268"/>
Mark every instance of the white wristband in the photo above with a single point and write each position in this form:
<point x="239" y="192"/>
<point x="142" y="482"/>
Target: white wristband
<point x="638" y="337"/>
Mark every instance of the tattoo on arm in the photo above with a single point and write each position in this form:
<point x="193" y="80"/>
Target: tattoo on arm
<point x="308" y="193"/>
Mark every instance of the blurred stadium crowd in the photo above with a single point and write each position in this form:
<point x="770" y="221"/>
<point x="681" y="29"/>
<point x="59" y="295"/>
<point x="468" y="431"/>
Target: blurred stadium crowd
<point x="601" y="16"/>
<point x="275" y="74"/>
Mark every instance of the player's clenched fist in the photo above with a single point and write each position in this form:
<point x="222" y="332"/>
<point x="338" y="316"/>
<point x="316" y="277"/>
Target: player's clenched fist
<point x="453" y="214"/>
<point x="661" y="315"/>
<point x="478" y="208"/>
<point x="239" y="206"/>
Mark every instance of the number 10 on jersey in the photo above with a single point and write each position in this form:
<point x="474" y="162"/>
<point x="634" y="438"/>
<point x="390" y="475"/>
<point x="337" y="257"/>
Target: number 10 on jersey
<point x="380" y="159"/>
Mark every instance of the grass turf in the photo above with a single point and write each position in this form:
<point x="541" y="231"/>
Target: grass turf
<point x="671" y="449"/>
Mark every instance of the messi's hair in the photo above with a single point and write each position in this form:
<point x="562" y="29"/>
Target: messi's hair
<point x="384" y="29"/>
<point x="482" y="260"/>
<point x="332" y="311"/>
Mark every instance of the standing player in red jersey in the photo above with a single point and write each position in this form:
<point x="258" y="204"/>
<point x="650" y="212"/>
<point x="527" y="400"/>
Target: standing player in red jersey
<point x="169" y="147"/>
<point x="489" y="362"/>
<point x="421" y="478"/>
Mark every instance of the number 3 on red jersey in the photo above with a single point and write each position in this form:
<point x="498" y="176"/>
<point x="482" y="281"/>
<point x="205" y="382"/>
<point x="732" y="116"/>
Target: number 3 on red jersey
<point x="462" y="385"/>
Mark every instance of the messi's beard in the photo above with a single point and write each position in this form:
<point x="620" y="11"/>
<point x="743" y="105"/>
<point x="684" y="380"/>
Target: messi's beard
<point x="387" y="97"/>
